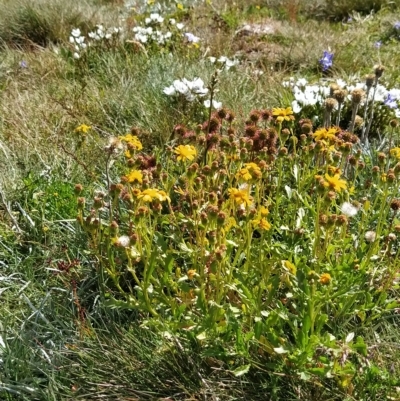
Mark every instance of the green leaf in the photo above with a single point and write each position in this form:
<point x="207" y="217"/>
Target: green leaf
<point x="241" y="370"/>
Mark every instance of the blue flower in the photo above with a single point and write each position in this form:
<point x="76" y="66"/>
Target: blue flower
<point x="396" y="25"/>
<point x="378" y="44"/>
<point x="326" y="60"/>
<point x="391" y="101"/>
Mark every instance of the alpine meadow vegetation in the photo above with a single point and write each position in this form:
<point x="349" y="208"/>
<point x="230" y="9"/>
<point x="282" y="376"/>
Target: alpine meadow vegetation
<point x="199" y="200"/>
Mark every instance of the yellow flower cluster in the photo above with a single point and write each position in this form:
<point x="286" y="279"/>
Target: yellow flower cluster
<point x="83" y="128"/>
<point x="325" y="134"/>
<point x="132" y="142"/>
<point x="250" y="171"/>
<point x="240" y="196"/>
<point x="150" y="194"/>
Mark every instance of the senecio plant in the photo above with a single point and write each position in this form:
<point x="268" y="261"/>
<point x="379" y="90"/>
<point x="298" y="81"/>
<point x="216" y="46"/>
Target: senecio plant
<point x="249" y="239"/>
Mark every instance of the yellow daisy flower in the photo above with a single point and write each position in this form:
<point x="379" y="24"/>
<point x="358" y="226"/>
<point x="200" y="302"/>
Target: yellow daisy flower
<point x="282" y="114"/>
<point x="185" y="152"/>
<point x="325" y="134"/>
<point x="334" y="183"/>
<point x="240" y="196"/>
<point x="325" y="278"/>
<point x="135" y="175"/>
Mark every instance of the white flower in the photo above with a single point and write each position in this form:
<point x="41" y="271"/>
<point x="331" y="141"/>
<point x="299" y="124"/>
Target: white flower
<point x="76" y="32"/>
<point x="296" y="107"/>
<point x="230" y="63"/>
<point x="370" y="236"/>
<point x="181" y="86"/>
<point x="216" y="105"/>
<point x="179" y="25"/>
<point x="212" y="59"/>
<point x="169" y="90"/>
<point x="156" y="17"/>
<point x="71" y="39"/>
<point x="80" y="40"/>
<point x="348" y="209"/>
<point x="301" y="82"/>
<point x="172" y="21"/>
<point x="147" y="20"/>
<point x="123" y="241"/>
<point x="77" y="56"/>
<point x="191" y="38"/>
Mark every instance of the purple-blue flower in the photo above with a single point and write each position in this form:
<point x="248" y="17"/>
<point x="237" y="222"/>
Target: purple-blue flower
<point x="23" y="64"/>
<point x="396" y="25"/>
<point x="378" y="44"/>
<point x="326" y="60"/>
<point x="391" y="101"/>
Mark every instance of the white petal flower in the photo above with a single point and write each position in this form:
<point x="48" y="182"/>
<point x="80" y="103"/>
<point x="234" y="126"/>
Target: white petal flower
<point x="191" y="38"/>
<point x="77" y="56"/>
<point x="180" y="25"/>
<point x="76" y="32"/>
<point x="296" y="107"/>
<point x="348" y="209"/>
<point x="169" y="90"/>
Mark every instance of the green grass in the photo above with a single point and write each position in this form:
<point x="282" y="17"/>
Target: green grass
<point x="58" y="340"/>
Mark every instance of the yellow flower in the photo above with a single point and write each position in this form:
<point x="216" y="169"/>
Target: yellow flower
<point x="185" y="152"/>
<point x="132" y="140"/>
<point x="135" y="175"/>
<point x="150" y="194"/>
<point x="282" y="114"/>
<point x="325" y="278"/>
<point x="250" y="171"/>
<point x="191" y="273"/>
<point x="244" y="174"/>
<point x="395" y="152"/>
<point x="335" y="183"/>
<point x="83" y="128"/>
<point x="325" y="134"/>
<point x="179" y="6"/>
<point x="262" y="224"/>
<point x="290" y="266"/>
<point x="264" y="211"/>
<point x="240" y="196"/>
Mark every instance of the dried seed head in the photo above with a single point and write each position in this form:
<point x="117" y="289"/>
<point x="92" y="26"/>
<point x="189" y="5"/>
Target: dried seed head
<point x="370" y="236"/>
<point x="330" y="104"/>
<point x="369" y="80"/>
<point x="395" y="205"/>
<point x="378" y="69"/>
<point x="254" y="116"/>
<point x="340" y="95"/>
<point x="357" y="96"/>
<point x="332" y="88"/>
